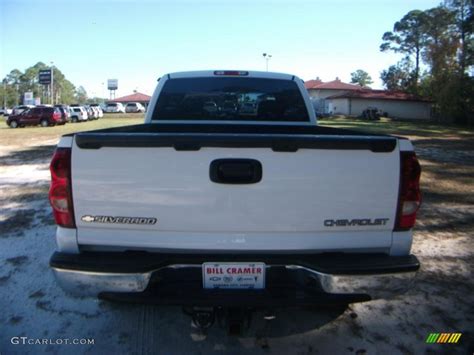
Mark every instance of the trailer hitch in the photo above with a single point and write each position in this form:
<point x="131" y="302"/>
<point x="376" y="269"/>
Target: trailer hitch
<point x="202" y="317"/>
<point x="236" y="320"/>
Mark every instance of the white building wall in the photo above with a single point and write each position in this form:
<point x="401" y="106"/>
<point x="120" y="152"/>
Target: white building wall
<point x="395" y="109"/>
<point x="338" y="106"/>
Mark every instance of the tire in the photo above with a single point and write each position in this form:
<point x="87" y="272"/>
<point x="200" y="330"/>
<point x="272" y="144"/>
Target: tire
<point x="74" y="120"/>
<point x="13" y="124"/>
<point x="44" y="123"/>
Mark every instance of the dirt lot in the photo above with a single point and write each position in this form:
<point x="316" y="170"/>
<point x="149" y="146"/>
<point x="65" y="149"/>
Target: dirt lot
<point x="442" y="301"/>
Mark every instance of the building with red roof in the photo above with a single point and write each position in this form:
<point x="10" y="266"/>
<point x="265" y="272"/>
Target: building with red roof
<point x="380" y="95"/>
<point x="135" y="97"/>
<point x="311" y="84"/>
<point x="318" y="91"/>
<point x="337" y="97"/>
<point x="337" y="85"/>
<point x="396" y="104"/>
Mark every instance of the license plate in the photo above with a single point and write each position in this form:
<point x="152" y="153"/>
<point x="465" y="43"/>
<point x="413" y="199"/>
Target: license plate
<point x="233" y="275"/>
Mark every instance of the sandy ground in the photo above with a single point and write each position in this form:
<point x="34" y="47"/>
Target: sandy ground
<point x="32" y="305"/>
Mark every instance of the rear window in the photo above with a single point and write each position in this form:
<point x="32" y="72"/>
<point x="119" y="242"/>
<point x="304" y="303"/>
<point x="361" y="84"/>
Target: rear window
<point x="112" y="105"/>
<point x="252" y="99"/>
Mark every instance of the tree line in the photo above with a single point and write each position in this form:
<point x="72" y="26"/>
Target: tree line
<point x="438" y="62"/>
<point x="16" y="83"/>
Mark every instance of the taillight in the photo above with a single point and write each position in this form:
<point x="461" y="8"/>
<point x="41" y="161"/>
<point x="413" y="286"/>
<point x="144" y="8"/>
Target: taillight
<point x="409" y="196"/>
<point x="60" y="192"/>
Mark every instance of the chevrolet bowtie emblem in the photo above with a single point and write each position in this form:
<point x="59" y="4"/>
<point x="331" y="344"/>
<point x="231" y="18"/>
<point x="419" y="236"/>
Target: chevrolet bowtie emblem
<point x="87" y="219"/>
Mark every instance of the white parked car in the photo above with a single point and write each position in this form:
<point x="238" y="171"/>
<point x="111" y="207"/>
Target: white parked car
<point x="5" y="111"/>
<point x="114" y="107"/>
<point x="92" y="113"/>
<point x="134" y="107"/>
<point x="78" y="114"/>
<point x="19" y="109"/>
<point x="99" y="110"/>
<point x="96" y="112"/>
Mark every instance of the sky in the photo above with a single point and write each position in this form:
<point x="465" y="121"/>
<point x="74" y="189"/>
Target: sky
<point x="136" y="42"/>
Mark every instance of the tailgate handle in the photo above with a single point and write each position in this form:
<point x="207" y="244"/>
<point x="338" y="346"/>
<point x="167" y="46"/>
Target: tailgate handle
<point x="235" y="171"/>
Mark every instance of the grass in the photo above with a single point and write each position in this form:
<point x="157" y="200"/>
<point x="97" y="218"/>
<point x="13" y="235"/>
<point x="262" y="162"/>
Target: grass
<point x="36" y="135"/>
<point x="402" y="128"/>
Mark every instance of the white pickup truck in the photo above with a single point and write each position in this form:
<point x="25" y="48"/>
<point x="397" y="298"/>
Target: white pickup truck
<point x="230" y="195"/>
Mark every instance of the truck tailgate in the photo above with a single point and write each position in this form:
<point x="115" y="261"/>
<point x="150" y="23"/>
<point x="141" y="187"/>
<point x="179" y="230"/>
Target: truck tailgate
<point x="308" y="198"/>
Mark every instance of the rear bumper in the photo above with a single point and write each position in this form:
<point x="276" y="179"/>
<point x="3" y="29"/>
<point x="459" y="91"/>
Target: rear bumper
<point x="291" y="280"/>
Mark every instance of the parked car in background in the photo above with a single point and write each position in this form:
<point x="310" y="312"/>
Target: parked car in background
<point x="99" y="110"/>
<point x="373" y="113"/>
<point x="229" y="108"/>
<point x="19" y="109"/>
<point x="210" y="107"/>
<point x="65" y="112"/>
<point x="78" y="114"/>
<point x="134" y="107"/>
<point x="43" y="115"/>
<point x="248" y="108"/>
<point x="91" y="113"/>
<point x="5" y="111"/>
<point x="114" y="107"/>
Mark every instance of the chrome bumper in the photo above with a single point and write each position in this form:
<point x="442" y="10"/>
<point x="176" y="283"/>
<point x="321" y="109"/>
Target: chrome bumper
<point x="384" y="285"/>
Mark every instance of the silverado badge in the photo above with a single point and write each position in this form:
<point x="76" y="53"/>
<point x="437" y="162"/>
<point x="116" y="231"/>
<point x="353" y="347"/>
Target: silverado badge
<point x="119" y="220"/>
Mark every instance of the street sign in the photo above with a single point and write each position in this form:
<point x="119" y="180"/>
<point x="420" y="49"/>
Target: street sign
<point x="28" y="98"/>
<point x="112" y="84"/>
<point x="44" y="76"/>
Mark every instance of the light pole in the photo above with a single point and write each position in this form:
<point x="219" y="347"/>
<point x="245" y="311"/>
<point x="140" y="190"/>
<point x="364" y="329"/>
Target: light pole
<point x="52" y="83"/>
<point x="4" y="93"/>
<point x="17" y="93"/>
<point x="267" y="57"/>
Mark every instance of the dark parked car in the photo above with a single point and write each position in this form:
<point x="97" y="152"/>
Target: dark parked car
<point x="373" y="113"/>
<point x="65" y="113"/>
<point x="44" y="116"/>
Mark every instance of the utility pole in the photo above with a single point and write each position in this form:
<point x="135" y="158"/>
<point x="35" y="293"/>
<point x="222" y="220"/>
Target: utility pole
<point x="267" y="57"/>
